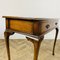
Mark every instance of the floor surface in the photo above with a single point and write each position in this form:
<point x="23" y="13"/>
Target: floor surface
<point x="23" y="50"/>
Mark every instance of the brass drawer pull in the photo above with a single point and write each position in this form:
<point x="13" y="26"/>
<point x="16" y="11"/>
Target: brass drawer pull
<point x="47" y="26"/>
<point x="56" y="23"/>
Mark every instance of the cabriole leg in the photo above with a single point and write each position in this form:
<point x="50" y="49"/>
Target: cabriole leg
<point x="7" y="34"/>
<point x="55" y="41"/>
<point x="36" y="44"/>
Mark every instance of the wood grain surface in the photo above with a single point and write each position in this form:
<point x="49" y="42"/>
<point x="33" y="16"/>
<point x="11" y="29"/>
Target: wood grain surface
<point x="23" y="50"/>
<point x="23" y="26"/>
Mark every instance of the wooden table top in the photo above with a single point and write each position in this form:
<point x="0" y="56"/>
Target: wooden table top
<point x="31" y="27"/>
<point x="28" y="18"/>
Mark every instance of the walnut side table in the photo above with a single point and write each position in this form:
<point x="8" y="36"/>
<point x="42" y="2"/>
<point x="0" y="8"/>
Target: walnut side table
<point x="32" y="27"/>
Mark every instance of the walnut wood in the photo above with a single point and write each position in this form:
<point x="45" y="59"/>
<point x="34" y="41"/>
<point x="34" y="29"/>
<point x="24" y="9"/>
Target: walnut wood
<point x="7" y="34"/>
<point x="43" y="27"/>
<point x="22" y="26"/>
<point x="37" y="45"/>
<point x="55" y="41"/>
<point x="27" y="18"/>
<point x="33" y="27"/>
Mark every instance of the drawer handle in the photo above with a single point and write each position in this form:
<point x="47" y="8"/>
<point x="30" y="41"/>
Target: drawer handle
<point x="47" y="26"/>
<point x="56" y="23"/>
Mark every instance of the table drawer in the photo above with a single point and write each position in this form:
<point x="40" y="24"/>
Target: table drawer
<point x="22" y="26"/>
<point x="45" y="26"/>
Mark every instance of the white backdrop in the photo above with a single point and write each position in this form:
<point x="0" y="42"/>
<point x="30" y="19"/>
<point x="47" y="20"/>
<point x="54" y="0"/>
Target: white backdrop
<point x="29" y="8"/>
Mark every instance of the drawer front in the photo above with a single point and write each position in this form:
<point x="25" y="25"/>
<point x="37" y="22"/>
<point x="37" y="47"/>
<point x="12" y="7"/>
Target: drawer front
<point x="22" y="26"/>
<point x="45" y="26"/>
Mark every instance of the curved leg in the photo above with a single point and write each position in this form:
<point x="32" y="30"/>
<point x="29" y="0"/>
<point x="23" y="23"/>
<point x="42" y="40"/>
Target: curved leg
<point x="55" y="41"/>
<point x="36" y="46"/>
<point x="7" y="34"/>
